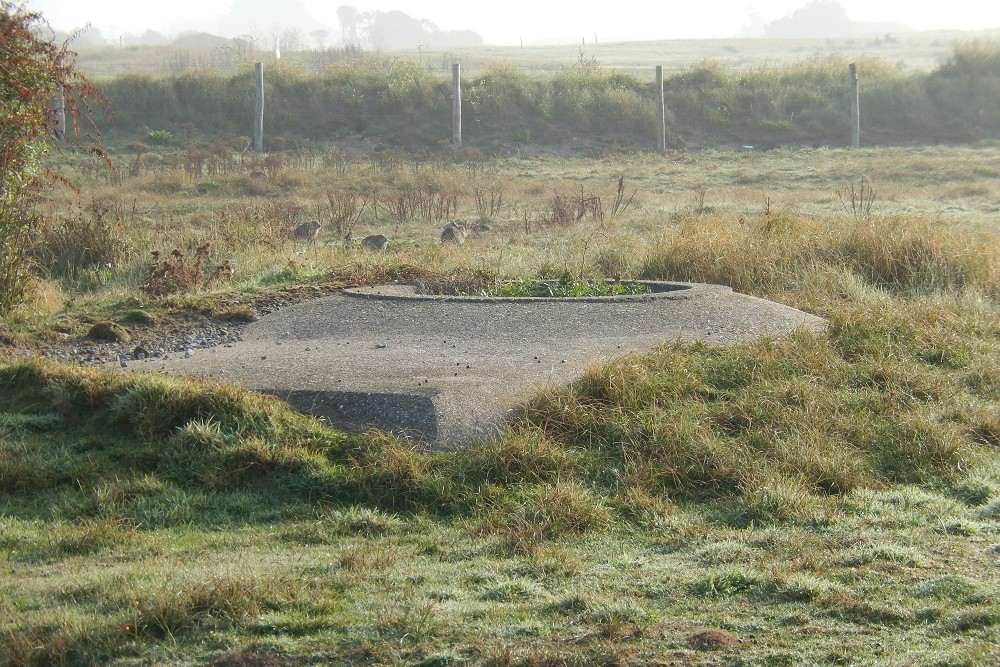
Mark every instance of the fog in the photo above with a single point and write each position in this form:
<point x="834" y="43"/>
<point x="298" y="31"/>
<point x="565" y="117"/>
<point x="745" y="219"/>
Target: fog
<point x="515" y="21"/>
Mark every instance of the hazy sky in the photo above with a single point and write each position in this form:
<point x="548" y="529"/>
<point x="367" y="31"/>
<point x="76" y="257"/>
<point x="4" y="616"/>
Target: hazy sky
<point x="509" y="21"/>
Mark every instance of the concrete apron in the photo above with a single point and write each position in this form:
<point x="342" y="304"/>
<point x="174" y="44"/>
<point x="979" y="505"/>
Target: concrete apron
<point x="448" y="371"/>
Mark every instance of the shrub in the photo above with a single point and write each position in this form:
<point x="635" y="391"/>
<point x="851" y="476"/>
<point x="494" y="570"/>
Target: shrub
<point x="95" y="237"/>
<point x="32" y="71"/>
<point x="159" y="137"/>
<point x="184" y="273"/>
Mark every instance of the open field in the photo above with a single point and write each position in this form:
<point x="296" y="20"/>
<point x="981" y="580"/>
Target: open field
<point x="823" y="499"/>
<point x="921" y="51"/>
<point x="246" y="206"/>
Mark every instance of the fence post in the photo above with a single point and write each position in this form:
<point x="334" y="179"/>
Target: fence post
<point x="855" y="108"/>
<point x="258" y="116"/>
<point x="661" y="111"/>
<point x="456" y="105"/>
<point x="59" y="114"/>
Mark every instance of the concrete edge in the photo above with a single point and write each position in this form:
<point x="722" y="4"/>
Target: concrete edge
<point x="659" y="290"/>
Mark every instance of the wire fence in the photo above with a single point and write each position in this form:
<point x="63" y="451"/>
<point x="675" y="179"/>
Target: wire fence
<point x="327" y="96"/>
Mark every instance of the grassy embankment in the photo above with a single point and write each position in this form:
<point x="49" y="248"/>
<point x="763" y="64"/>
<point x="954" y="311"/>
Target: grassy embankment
<point x="579" y="107"/>
<point x="825" y="499"/>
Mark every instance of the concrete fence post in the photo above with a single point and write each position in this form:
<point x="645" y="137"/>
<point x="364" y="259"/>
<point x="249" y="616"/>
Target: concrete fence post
<point x="855" y="107"/>
<point x="456" y="105"/>
<point x="258" y="116"/>
<point x="661" y="111"/>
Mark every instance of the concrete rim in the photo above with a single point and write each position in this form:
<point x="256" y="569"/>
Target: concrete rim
<point x="658" y="290"/>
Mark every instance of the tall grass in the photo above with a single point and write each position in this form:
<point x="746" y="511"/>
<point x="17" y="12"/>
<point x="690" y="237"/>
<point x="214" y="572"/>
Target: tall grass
<point x="398" y="102"/>
<point x="771" y="428"/>
<point x="772" y="252"/>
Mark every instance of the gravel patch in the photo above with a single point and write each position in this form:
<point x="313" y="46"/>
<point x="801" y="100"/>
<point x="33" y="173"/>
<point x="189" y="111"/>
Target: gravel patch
<point x="162" y="345"/>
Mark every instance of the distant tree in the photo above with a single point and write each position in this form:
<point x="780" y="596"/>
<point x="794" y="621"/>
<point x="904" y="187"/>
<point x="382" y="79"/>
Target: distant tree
<point x="320" y="36"/>
<point x="202" y="41"/>
<point x="458" y="38"/>
<point x="33" y="71"/>
<point x="267" y="17"/>
<point x="149" y="38"/>
<point x="398" y="30"/>
<point x="290" y="40"/>
<point x="823" y="18"/>
<point x="820" y="18"/>
<point x="350" y="25"/>
<point x="87" y="37"/>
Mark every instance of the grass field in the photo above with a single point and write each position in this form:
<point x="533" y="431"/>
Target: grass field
<point x="911" y="51"/>
<point x="825" y="499"/>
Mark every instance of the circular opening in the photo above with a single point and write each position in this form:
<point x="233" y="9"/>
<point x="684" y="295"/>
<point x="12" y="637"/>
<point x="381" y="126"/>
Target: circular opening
<point x="566" y="288"/>
<point x="649" y="289"/>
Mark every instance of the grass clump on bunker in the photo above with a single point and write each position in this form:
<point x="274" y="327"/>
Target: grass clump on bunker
<point x="564" y="285"/>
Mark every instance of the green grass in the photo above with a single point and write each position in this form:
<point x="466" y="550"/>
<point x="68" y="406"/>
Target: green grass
<point x="830" y="495"/>
<point x="826" y="498"/>
<point x="566" y="286"/>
